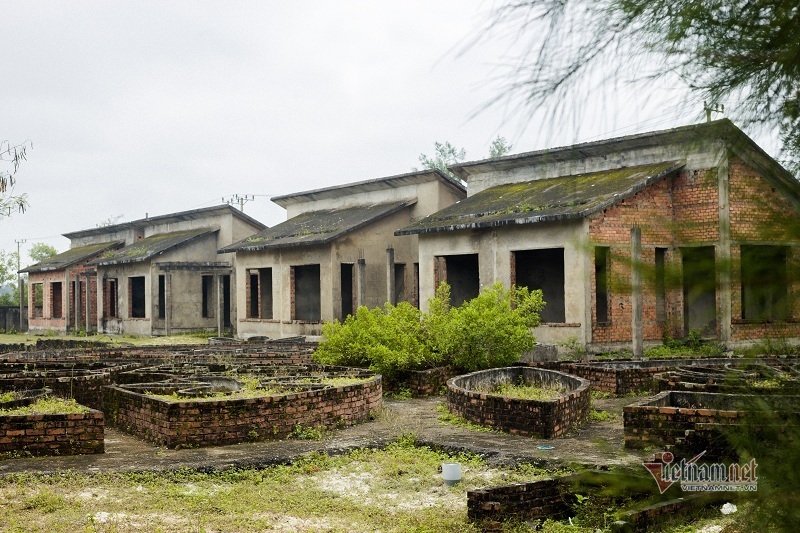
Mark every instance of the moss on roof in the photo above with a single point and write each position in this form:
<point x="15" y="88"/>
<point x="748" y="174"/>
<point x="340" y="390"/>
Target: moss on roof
<point x="560" y="198"/>
<point x="151" y="246"/>
<point x="315" y="227"/>
<point x="73" y="256"/>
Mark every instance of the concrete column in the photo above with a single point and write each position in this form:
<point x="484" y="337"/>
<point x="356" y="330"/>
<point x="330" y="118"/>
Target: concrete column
<point x="167" y="303"/>
<point x="361" y="282"/>
<point x="220" y="301"/>
<point x="636" y="291"/>
<point x="724" y="251"/>
<point x="390" y="288"/>
<point x="87" y="304"/>
<point x="70" y="311"/>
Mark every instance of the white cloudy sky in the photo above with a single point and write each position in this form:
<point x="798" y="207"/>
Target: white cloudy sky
<point x="138" y="108"/>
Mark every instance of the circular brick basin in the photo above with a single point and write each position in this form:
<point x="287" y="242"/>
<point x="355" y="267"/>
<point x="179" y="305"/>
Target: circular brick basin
<point x="540" y="418"/>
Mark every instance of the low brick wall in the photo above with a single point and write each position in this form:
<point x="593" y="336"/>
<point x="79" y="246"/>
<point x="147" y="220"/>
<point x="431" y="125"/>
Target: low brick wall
<point x="555" y="499"/>
<point x="690" y="419"/>
<point x="56" y="434"/>
<point x="544" y="419"/>
<point x="79" y="380"/>
<point x="421" y="383"/>
<point x="537" y="500"/>
<point x="218" y="422"/>
<point x="624" y="376"/>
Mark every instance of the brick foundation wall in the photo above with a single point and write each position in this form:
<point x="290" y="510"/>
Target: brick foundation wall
<point x="661" y="422"/>
<point x="220" y="422"/>
<point x="422" y="383"/>
<point x="545" y="419"/>
<point x="56" y="434"/>
<point x="527" y="501"/>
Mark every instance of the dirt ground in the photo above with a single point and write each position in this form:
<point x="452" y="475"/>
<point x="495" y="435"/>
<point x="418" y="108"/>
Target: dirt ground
<point x="597" y="444"/>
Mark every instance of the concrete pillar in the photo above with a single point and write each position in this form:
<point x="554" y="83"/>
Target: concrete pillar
<point x="220" y="301"/>
<point x="87" y="303"/>
<point x="390" y="288"/>
<point x="636" y="292"/>
<point x="167" y="303"/>
<point x="361" y="282"/>
<point x="724" y="251"/>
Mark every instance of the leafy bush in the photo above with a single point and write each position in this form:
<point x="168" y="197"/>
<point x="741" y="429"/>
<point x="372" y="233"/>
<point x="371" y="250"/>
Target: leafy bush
<point x="489" y="331"/>
<point x="387" y="341"/>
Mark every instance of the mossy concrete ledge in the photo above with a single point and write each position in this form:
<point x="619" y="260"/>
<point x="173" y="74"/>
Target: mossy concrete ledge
<point x="540" y="418"/>
<point x="52" y="434"/>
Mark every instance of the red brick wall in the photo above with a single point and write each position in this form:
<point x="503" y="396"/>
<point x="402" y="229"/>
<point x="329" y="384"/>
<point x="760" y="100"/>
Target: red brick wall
<point x="655" y="210"/>
<point x="760" y="214"/>
<point x="57" y="434"/>
<point x="214" y="423"/>
<point x="684" y="210"/>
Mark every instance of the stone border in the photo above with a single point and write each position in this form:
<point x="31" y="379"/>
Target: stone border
<point x="55" y="434"/>
<point x="196" y="423"/>
<point x="545" y="419"/>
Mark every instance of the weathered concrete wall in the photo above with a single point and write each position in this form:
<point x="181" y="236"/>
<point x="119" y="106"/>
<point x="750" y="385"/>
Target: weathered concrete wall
<point x="369" y="243"/>
<point x="495" y="247"/>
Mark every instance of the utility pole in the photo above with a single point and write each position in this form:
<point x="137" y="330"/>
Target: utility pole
<point x="241" y="200"/>
<point x="21" y="284"/>
<point x="716" y="109"/>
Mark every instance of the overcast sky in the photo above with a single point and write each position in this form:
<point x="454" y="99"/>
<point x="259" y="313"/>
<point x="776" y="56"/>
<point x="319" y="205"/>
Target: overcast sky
<point x="137" y="108"/>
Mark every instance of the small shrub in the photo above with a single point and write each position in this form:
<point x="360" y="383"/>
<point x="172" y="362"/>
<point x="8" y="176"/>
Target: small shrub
<point x="387" y="341"/>
<point x="489" y="331"/>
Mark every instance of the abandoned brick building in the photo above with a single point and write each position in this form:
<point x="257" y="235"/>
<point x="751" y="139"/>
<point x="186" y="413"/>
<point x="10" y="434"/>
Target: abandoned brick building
<point x="716" y="215"/>
<point x="336" y="251"/>
<point x="152" y="276"/>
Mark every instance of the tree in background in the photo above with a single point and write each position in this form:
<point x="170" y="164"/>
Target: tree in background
<point x="11" y="156"/>
<point x="499" y="147"/>
<point x="445" y="154"/>
<point x="744" y="53"/>
<point x="9" y="290"/>
<point x="41" y="251"/>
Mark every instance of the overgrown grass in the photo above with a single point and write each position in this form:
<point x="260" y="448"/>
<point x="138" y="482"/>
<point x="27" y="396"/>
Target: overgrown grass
<point x="525" y="391"/>
<point x="446" y="417"/>
<point x="253" y="389"/>
<point x="395" y="489"/>
<point x="113" y="340"/>
<point x="49" y="405"/>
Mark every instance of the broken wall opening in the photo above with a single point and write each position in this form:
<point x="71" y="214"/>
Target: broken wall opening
<point x="543" y="270"/>
<point x="56" y="300"/>
<point x="346" y="288"/>
<point x="207" y="305"/>
<point x="37" y="295"/>
<point x="136" y="296"/>
<point x="601" y="255"/>
<point x="765" y="283"/>
<point x="306" y="298"/>
<point x="399" y="283"/>
<point x="699" y="290"/>
<point x="162" y="296"/>
<point x="461" y="273"/>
